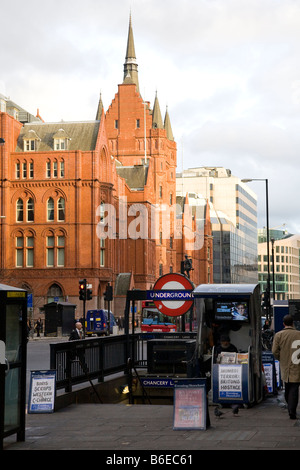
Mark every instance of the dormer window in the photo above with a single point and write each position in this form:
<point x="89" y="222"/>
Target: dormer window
<point x="61" y="140"/>
<point x="29" y="145"/>
<point x="30" y="141"/>
<point x="60" y="144"/>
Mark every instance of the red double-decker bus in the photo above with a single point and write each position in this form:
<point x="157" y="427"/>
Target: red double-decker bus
<point x="154" y="321"/>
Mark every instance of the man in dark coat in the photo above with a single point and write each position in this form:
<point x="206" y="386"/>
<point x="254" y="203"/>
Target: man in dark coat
<point x="225" y="345"/>
<point x="77" y="332"/>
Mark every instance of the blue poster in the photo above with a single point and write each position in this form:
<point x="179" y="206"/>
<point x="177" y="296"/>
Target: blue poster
<point x="42" y="391"/>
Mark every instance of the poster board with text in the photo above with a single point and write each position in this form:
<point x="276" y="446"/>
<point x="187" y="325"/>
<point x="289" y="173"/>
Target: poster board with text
<point x="42" y="391"/>
<point x="190" y="405"/>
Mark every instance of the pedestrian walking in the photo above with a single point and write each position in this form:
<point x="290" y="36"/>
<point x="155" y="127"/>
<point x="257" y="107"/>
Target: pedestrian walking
<point x="38" y="326"/>
<point x="286" y="348"/>
<point x="77" y="333"/>
<point x="28" y="329"/>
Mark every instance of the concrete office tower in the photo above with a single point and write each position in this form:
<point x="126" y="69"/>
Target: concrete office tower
<point x="233" y="212"/>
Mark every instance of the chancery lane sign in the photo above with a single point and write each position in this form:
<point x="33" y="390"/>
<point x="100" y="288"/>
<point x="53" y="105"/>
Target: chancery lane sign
<point x="172" y="294"/>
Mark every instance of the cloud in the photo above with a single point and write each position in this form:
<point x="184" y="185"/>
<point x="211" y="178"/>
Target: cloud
<point x="227" y="69"/>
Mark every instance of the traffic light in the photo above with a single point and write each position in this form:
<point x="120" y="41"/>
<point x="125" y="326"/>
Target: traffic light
<point x="182" y="267"/>
<point x="82" y="289"/>
<point x="265" y="299"/>
<point x="108" y="294"/>
<point x="89" y="295"/>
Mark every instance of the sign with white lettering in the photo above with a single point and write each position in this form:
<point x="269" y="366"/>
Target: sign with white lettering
<point x="172" y="294"/>
<point x="169" y="295"/>
<point x="157" y="382"/>
<point x="42" y="391"/>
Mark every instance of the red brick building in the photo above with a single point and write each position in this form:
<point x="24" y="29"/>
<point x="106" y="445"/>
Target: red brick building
<point x="79" y="200"/>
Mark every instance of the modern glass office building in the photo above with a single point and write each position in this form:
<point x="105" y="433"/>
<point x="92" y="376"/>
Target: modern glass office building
<point x="284" y="249"/>
<point x="233" y="211"/>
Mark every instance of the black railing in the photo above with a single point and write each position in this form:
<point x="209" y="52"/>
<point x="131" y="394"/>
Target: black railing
<point x="76" y="362"/>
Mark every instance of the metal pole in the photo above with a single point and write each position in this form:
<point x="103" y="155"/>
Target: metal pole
<point x="108" y="318"/>
<point x="273" y="278"/>
<point x="268" y="250"/>
<point x="83" y="319"/>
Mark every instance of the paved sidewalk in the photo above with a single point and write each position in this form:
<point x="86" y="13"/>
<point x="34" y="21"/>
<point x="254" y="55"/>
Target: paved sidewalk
<point x="122" y="427"/>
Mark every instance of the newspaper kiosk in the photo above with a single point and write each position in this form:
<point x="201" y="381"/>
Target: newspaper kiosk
<point x="13" y="341"/>
<point x="233" y="310"/>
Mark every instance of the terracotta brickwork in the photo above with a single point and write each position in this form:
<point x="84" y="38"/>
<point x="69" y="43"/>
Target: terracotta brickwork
<point x="58" y="181"/>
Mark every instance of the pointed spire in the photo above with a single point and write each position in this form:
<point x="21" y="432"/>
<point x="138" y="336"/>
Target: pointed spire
<point x="157" y="122"/>
<point x="130" y="53"/>
<point x="130" y="66"/>
<point x="100" y="109"/>
<point x="167" y="126"/>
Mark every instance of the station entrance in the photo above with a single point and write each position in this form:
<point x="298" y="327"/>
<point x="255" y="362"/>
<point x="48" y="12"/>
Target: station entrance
<point x="222" y="310"/>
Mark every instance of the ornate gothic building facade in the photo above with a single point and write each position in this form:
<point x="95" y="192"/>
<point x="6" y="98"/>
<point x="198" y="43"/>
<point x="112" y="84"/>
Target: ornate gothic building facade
<point x="94" y="200"/>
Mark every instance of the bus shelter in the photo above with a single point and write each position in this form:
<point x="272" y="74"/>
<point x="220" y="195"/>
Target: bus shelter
<point x="13" y="345"/>
<point x="231" y="312"/>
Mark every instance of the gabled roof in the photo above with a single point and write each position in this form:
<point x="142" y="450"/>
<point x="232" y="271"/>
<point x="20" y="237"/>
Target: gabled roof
<point x="135" y="176"/>
<point x="124" y="282"/>
<point x="80" y="135"/>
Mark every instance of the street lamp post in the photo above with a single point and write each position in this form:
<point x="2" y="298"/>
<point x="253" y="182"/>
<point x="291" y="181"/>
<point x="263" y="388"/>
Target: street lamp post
<point x="268" y="290"/>
<point x="273" y="269"/>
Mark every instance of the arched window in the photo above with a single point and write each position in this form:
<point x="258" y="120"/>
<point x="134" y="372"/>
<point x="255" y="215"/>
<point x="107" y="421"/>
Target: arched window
<point x="31" y="169"/>
<point x="103" y="166"/>
<point x="50" y="209"/>
<point x="102" y="211"/>
<point x="18" y="170"/>
<point x="55" y="294"/>
<point x="30" y="210"/>
<point x="62" y="168"/>
<point x="24" y="169"/>
<point x="55" y="250"/>
<point x="19" y="251"/>
<point x="20" y="214"/>
<point x="55" y="169"/>
<point x="48" y="169"/>
<point x="61" y="209"/>
<point x="60" y="244"/>
<point x="29" y="251"/>
<point x="25" y="251"/>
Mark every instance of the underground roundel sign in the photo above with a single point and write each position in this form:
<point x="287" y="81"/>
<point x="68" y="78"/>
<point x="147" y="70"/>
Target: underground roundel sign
<point x="173" y="294"/>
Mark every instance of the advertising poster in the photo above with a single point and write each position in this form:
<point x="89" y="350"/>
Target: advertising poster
<point x="268" y="370"/>
<point x="189" y="407"/>
<point x="42" y="392"/>
<point x="230" y="381"/>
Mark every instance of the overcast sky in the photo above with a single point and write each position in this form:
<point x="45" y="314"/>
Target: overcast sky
<point x="228" y="70"/>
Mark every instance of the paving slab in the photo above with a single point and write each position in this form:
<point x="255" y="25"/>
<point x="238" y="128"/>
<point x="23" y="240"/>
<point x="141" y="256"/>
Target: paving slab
<point x="122" y="427"/>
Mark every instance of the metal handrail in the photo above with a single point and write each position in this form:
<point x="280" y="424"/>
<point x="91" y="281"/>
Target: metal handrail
<point x="78" y="361"/>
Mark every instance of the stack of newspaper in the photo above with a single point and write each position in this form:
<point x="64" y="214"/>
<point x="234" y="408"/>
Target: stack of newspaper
<point x="233" y="358"/>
